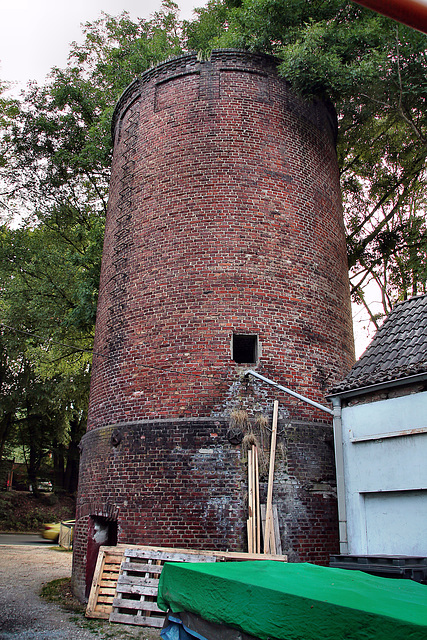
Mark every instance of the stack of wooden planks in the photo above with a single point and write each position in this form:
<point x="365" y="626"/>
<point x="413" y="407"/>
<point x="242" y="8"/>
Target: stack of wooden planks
<point x="254" y="519"/>
<point x="125" y="582"/>
<point x="263" y="517"/>
<point x="269" y="533"/>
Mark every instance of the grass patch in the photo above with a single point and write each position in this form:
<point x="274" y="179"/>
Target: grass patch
<point x="61" y="549"/>
<point x="59" y="592"/>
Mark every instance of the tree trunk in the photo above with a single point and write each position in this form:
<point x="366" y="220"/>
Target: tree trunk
<point x="5" y="426"/>
<point x="58" y="467"/>
<point x="77" y="428"/>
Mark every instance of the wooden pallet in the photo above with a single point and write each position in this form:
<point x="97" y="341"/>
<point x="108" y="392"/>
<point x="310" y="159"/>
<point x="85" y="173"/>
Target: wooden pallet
<point x="104" y="582"/>
<point x="107" y="573"/>
<point x="136" y="593"/>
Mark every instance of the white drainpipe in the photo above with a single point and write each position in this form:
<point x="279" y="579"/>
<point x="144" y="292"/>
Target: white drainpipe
<point x="339" y="466"/>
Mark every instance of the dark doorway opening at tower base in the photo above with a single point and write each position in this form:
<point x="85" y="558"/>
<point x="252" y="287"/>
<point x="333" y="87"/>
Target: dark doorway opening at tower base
<point x="244" y="348"/>
<point x="101" y="531"/>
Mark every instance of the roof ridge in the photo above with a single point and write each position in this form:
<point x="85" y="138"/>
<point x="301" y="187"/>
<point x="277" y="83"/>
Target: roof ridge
<point x="399" y="347"/>
<point x="400" y="302"/>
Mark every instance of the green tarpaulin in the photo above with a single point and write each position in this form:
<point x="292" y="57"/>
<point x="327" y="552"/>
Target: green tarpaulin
<point x="287" y="601"/>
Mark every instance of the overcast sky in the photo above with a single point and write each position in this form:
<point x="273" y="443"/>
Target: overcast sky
<point x="35" y="34"/>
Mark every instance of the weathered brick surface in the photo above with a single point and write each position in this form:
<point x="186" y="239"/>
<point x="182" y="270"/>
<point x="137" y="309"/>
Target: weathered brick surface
<point x="305" y="491"/>
<point x="224" y="217"/>
<point x="166" y="483"/>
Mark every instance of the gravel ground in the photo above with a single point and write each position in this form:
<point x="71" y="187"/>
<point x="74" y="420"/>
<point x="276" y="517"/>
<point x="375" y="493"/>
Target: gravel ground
<point x="25" y="616"/>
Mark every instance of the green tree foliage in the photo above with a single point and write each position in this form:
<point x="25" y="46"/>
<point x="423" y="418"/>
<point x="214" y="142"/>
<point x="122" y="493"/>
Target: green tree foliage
<point x="9" y="108"/>
<point x="374" y="70"/>
<point x="55" y="153"/>
<point x="43" y="382"/>
<point x="55" y="172"/>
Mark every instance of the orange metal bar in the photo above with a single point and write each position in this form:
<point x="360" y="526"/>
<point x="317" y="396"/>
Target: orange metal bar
<point x="410" y="12"/>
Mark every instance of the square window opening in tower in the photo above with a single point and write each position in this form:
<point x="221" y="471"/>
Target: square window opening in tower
<point x="244" y="348"/>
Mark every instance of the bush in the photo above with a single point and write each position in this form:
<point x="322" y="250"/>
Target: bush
<point x="24" y="512"/>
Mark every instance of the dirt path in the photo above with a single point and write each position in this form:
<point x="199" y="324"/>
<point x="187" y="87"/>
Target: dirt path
<point x="25" y="616"/>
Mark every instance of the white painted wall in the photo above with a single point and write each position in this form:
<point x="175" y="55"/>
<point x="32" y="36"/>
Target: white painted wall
<point x="385" y="476"/>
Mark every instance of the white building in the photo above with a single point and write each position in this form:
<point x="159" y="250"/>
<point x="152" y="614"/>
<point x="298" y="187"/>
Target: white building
<point x="380" y="428"/>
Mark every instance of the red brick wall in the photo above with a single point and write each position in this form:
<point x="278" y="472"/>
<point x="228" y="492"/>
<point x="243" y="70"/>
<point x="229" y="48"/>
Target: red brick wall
<point x="176" y="484"/>
<point x="224" y="217"/>
<point x="184" y="484"/>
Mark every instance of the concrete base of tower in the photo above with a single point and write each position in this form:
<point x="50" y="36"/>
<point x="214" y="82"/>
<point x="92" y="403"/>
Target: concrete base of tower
<point x="183" y="483"/>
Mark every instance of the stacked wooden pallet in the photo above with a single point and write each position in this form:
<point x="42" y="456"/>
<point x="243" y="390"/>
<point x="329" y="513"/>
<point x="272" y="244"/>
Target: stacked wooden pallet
<point x="104" y="582"/>
<point x="136" y="593"/>
<point x="125" y="582"/>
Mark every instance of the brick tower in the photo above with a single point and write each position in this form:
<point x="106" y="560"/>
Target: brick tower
<point x="224" y="250"/>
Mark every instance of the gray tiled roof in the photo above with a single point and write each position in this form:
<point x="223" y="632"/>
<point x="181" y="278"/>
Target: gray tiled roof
<point x="398" y="350"/>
